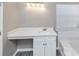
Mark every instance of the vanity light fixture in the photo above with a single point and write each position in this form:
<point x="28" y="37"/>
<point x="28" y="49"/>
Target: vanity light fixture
<point x="35" y="5"/>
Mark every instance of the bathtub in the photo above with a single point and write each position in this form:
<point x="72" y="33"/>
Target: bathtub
<point x="69" y="43"/>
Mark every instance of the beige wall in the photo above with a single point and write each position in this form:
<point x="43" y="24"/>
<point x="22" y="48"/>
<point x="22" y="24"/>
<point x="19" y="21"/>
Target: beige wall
<point x="11" y="15"/>
<point x="10" y="22"/>
<point x="38" y="18"/>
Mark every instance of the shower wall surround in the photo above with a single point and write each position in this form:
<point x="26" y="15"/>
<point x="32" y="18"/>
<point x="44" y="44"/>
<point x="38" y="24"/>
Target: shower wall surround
<point x="67" y="16"/>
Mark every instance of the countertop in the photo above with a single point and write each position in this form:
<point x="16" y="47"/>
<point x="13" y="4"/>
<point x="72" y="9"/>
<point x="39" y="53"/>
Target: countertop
<point x="29" y="32"/>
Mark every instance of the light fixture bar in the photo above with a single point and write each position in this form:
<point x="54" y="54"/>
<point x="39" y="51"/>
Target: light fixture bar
<point x="35" y="5"/>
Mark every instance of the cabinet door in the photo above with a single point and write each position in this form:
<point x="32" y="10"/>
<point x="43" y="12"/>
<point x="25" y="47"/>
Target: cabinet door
<point x="50" y="49"/>
<point x="38" y="48"/>
<point x="44" y="46"/>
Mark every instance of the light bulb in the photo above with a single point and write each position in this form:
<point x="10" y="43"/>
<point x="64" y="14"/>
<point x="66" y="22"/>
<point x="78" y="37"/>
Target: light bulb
<point x="33" y="5"/>
<point x="37" y="5"/>
<point x="28" y="5"/>
<point x="42" y="5"/>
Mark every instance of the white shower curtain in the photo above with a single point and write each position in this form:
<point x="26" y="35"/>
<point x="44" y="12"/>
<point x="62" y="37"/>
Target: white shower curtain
<point x="67" y="16"/>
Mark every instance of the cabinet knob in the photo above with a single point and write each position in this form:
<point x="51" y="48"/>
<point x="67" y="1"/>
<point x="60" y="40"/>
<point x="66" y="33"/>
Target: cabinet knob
<point x="44" y="43"/>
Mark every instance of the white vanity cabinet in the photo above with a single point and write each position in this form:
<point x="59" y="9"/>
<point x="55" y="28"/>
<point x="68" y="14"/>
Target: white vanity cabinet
<point x="44" y="42"/>
<point x="44" y="46"/>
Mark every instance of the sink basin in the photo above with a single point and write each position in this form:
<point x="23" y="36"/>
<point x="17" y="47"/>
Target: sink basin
<point x="47" y="31"/>
<point x="44" y="29"/>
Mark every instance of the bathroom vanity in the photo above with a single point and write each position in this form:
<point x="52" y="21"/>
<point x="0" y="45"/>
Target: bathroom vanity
<point x="44" y="39"/>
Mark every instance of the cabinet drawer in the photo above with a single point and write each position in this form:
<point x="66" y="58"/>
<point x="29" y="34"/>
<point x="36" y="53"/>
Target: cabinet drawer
<point x="45" y="38"/>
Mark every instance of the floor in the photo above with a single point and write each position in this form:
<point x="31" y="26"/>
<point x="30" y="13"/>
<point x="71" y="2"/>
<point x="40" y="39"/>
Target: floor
<point x="30" y="53"/>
